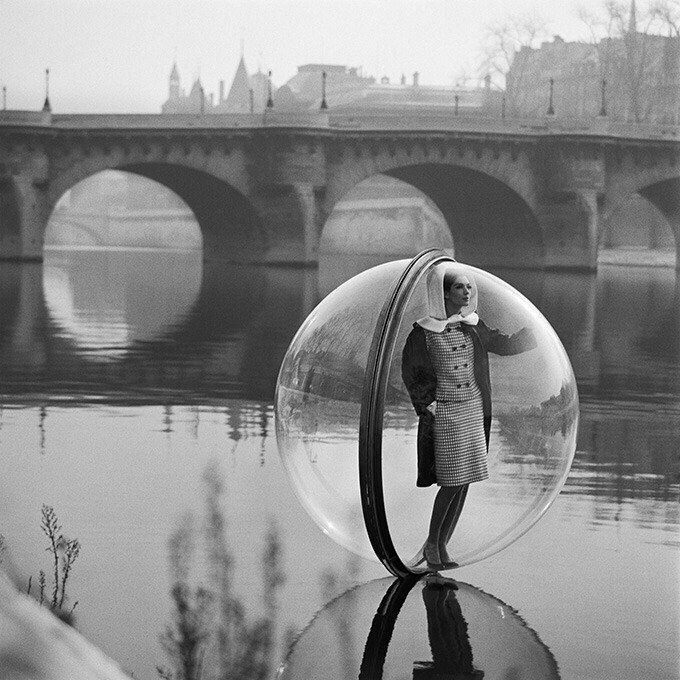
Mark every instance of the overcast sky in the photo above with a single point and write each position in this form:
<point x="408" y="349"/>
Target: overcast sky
<point x="116" y="55"/>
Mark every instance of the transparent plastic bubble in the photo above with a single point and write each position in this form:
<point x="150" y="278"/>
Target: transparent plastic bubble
<point x="431" y="628"/>
<point x="347" y="428"/>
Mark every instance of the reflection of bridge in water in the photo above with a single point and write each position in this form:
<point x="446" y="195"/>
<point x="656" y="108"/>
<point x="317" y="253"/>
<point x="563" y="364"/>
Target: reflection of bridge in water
<point x="225" y="350"/>
<point x="227" y="341"/>
<point x="529" y="193"/>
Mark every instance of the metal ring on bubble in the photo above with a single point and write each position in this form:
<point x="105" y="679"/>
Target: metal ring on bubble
<point x="371" y="418"/>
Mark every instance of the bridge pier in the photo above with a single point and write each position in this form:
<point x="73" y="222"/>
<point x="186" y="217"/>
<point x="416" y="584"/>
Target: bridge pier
<point x="25" y="207"/>
<point x="569" y="222"/>
<point x="568" y="210"/>
<point x="34" y="207"/>
<point x="291" y="220"/>
<point x="309" y="211"/>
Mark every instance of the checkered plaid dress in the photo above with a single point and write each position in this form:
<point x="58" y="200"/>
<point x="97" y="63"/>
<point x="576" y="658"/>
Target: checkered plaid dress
<point x="459" y="442"/>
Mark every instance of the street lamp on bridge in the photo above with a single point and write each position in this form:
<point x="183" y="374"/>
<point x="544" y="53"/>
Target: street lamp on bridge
<point x="551" y="110"/>
<point x="603" y="107"/>
<point x="270" y="100"/>
<point x="46" y="106"/>
<point x="324" y="104"/>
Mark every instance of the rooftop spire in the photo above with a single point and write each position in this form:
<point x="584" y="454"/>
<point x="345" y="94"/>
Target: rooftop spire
<point x="238" y="98"/>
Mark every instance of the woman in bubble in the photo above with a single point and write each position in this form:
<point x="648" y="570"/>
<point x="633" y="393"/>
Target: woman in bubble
<point x="445" y="368"/>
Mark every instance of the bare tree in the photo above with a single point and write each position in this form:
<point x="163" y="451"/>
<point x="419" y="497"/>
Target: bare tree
<point x="667" y="14"/>
<point x="505" y="38"/>
<point x="629" y="50"/>
<point x="505" y="47"/>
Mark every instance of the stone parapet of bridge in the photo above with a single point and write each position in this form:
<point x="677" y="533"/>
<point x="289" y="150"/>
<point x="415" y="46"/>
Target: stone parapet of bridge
<point x="442" y="119"/>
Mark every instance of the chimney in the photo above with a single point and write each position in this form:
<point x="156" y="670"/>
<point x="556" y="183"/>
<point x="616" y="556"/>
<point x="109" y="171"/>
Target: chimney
<point x="416" y="75"/>
<point x="221" y="91"/>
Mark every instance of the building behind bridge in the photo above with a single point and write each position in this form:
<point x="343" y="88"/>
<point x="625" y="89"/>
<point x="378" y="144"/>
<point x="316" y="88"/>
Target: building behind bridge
<point x="633" y="78"/>
<point x="341" y="88"/>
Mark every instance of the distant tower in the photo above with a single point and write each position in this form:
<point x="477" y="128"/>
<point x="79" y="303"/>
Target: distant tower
<point x="259" y="85"/>
<point x="174" y="89"/>
<point x="196" y="100"/>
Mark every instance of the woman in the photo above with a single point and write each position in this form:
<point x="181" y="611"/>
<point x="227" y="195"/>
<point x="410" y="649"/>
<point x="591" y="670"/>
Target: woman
<point x="445" y="368"/>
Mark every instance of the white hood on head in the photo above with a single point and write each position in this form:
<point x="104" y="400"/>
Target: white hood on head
<point x="436" y="318"/>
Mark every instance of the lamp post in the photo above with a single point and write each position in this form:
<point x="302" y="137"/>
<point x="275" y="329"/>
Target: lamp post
<point x="551" y="110"/>
<point x="603" y="89"/>
<point x="503" y="107"/>
<point x="455" y="105"/>
<point x="324" y="104"/>
<point x="270" y="101"/>
<point x="46" y="106"/>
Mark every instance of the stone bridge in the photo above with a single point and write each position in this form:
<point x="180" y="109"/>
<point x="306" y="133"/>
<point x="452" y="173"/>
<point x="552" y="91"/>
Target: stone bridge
<point x="523" y="193"/>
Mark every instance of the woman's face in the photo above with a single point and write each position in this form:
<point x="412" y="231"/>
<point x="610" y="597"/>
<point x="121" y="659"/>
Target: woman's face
<point x="459" y="292"/>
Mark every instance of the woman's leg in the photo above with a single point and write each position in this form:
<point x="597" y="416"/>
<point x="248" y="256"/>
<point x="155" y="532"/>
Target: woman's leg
<point x="440" y="510"/>
<point x="451" y="519"/>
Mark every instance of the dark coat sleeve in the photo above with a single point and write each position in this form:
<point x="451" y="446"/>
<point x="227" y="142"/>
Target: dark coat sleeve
<point x="421" y="383"/>
<point x="417" y="371"/>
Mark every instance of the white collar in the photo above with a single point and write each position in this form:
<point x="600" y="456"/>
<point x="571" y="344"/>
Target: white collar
<point x="438" y="325"/>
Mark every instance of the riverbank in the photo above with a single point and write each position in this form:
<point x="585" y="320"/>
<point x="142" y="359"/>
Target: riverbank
<point x="637" y="257"/>
<point x="36" y="645"/>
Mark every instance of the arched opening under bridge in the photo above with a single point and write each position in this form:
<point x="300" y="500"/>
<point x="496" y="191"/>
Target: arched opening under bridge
<point x="643" y="228"/>
<point x="115" y="209"/>
<point x="490" y="223"/>
<point x="380" y="219"/>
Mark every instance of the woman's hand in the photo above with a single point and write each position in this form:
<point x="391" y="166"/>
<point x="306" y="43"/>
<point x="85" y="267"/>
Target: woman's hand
<point x="432" y="408"/>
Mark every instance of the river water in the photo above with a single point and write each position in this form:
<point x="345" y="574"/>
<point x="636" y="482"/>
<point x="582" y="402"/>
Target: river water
<point x="136" y="393"/>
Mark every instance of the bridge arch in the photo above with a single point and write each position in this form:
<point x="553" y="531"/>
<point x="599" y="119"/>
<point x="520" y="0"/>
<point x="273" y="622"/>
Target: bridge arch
<point x="658" y="183"/>
<point x="490" y="222"/>
<point x="665" y="196"/>
<point x="492" y="225"/>
<point x="229" y="224"/>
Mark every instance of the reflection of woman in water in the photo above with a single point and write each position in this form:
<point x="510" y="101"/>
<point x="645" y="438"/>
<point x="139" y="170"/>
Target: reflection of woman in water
<point x="445" y="368"/>
<point x="447" y="631"/>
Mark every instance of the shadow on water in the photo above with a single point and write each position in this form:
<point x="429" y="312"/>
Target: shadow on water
<point x="428" y="629"/>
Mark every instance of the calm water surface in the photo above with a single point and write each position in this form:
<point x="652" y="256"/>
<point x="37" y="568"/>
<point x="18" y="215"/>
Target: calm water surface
<point x="136" y="397"/>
